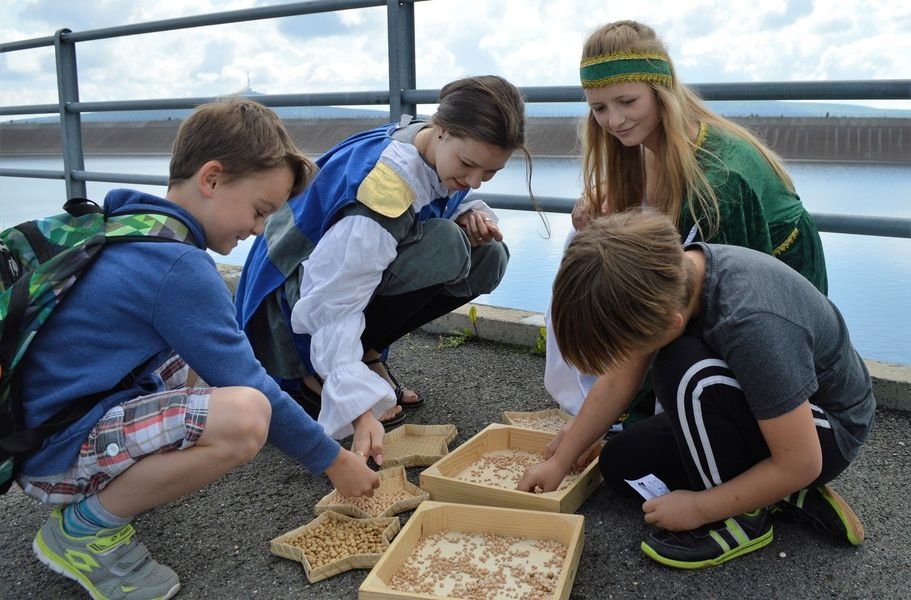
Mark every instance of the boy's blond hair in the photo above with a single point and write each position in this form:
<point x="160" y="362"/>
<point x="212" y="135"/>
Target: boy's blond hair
<point x="244" y="136"/>
<point x="621" y="282"/>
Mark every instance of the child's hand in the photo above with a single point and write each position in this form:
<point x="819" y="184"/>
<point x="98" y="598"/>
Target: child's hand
<point x="553" y="444"/>
<point x="493" y="230"/>
<point x="351" y="476"/>
<point x="580" y="215"/>
<point x="593" y="452"/>
<point x="543" y="477"/>
<point x="583" y="460"/>
<point x="368" y="437"/>
<point x="479" y="228"/>
<point x="674" y="511"/>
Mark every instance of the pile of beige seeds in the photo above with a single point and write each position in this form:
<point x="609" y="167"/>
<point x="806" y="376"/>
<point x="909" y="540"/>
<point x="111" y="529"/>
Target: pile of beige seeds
<point x="550" y="424"/>
<point x="334" y="539"/>
<point x="504" y="468"/>
<point x="481" y="566"/>
<point x="382" y="499"/>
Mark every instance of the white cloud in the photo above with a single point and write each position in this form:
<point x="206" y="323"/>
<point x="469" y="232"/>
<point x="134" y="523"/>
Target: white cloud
<point x="533" y="43"/>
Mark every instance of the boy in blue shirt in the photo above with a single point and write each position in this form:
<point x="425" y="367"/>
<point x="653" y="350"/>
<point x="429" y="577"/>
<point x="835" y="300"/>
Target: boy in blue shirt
<point x="162" y="310"/>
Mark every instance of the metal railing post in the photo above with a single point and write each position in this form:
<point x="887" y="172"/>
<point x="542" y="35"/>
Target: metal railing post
<point x="70" y="121"/>
<point x="400" y="26"/>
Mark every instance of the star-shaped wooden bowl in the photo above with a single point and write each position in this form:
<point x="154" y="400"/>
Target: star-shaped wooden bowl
<point x="417" y="445"/>
<point x="395" y="495"/>
<point x="322" y="546"/>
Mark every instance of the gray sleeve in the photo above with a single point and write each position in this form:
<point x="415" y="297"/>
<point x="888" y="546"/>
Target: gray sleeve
<point x="398" y="227"/>
<point x="772" y="359"/>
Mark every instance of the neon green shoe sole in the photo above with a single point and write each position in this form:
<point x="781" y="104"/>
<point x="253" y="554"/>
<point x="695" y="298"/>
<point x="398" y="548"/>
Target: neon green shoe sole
<point x="711" y="545"/>
<point x="113" y="566"/>
<point x="824" y="509"/>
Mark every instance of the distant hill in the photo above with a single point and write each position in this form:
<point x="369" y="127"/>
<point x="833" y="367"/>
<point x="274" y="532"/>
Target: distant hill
<point x="733" y="108"/>
<point x="286" y="113"/>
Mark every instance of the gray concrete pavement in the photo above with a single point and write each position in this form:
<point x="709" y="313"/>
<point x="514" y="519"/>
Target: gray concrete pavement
<point x="218" y="539"/>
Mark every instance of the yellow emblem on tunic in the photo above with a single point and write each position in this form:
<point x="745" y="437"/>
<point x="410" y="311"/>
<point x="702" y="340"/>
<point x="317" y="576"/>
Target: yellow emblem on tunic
<point x="385" y="192"/>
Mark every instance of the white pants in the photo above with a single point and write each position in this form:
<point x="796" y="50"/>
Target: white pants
<point x="564" y="383"/>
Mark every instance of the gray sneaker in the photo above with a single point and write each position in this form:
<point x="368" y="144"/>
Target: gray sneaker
<point x="111" y="567"/>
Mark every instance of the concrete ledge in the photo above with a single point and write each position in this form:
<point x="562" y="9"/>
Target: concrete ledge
<point x="231" y="275"/>
<point x="891" y="382"/>
<point x="494" y="323"/>
<point x="891" y="385"/>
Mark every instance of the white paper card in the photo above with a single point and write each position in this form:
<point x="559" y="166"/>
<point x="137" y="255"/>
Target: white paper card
<point x="648" y="487"/>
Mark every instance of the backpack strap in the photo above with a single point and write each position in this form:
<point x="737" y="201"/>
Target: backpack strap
<point x="79" y="207"/>
<point x="146" y="226"/>
<point x="36" y="240"/>
<point x="15" y="316"/>
<point x="27" y="440"/>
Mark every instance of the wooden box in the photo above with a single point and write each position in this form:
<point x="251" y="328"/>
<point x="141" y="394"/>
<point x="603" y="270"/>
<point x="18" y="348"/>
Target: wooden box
<point x="432" y="518"/>
<point x="441" y="480"/>
<point x="550" y="420"/>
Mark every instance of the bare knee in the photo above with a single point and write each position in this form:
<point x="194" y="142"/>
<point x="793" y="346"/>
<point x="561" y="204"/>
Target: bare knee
<point x="239" y="420"/>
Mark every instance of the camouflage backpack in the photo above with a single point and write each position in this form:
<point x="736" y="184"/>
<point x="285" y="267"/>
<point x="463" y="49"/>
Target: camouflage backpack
<point x="40" y="261"/>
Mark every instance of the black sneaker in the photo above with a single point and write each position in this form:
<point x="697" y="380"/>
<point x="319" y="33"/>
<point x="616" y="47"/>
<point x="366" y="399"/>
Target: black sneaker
<point x="712" y="544"/>
<point x="823" y="509"/>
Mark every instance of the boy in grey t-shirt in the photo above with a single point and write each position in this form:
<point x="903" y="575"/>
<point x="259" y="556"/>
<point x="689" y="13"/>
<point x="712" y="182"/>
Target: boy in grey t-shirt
<point x="765" y="399"/>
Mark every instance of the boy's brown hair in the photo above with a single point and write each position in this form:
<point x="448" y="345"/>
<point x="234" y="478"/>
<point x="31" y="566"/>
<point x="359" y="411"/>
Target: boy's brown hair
<point x="244" y="136"/>
<point x="621" y="281"/>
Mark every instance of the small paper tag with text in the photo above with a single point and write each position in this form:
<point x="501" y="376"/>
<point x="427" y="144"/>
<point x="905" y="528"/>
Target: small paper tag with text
<point x="648" y="487"/>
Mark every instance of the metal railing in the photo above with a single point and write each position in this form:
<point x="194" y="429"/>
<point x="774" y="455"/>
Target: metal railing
<point x="401" y="97"/>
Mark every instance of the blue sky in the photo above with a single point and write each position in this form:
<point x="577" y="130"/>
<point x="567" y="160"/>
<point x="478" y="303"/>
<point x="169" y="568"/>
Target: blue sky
<point x="532" y="43"/>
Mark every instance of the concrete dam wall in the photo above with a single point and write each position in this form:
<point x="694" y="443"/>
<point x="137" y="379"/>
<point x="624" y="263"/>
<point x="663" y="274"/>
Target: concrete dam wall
<point x="869" y="140"/>
<point x="874" y="140"/>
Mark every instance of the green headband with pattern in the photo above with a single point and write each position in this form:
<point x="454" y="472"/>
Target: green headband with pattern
<point x="623" y="67"/>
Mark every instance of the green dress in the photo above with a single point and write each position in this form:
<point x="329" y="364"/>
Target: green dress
<point x="757" y="210"/>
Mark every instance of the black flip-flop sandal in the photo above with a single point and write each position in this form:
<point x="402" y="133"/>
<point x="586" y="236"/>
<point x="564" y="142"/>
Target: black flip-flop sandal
<point x="308" y="399"/>
<point x="392" y="422"/>
<point x="396" y="386"/>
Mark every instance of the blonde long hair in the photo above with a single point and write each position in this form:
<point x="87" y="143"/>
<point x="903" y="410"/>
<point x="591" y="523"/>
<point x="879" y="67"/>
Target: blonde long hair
<point x="614" y="176"/>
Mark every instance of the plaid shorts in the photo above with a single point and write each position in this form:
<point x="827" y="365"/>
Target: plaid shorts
<point x="154" y="424"/>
